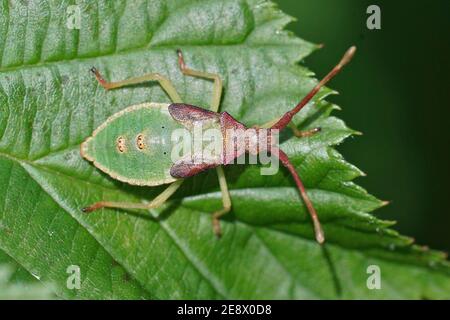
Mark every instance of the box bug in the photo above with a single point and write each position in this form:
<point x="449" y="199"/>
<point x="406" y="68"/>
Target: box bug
<point x="134" y="145"/>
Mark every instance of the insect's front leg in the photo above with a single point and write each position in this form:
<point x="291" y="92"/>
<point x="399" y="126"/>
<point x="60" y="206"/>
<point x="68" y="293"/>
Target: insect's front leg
<point x="307" y="133"/>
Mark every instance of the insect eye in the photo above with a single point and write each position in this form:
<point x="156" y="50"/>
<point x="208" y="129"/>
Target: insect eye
<point x="120" y="142"/>
<point x="140" y="141"/>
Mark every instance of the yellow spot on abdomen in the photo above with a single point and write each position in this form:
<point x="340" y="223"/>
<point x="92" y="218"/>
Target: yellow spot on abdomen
<point x="120" y="143"/>
<point x="140" y="141"/>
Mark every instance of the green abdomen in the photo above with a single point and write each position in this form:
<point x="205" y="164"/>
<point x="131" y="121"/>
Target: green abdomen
<point x="134" y="145"/>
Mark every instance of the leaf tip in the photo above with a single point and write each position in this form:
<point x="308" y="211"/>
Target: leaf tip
<point x="385" y="203"/>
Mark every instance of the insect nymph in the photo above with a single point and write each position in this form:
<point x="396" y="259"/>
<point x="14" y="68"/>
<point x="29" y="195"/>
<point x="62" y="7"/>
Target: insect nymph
<point x="135" y="145"/>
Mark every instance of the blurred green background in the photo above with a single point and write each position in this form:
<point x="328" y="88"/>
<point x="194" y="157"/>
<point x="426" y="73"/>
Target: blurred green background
<point x="396" y="91"/>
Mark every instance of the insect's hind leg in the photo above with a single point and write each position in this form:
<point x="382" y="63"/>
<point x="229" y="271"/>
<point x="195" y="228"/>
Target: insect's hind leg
<point x="163" y="81"/>
<point x="217" y="87"/>
<point x="156" y="202"/>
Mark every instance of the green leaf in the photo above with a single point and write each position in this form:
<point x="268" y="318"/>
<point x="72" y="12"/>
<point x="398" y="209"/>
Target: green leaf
<point x="17" y="283"/>
<point x="49" y="103"/>
<point x="16" y="274"/>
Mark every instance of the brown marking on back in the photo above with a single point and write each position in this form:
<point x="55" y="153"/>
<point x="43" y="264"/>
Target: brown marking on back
<point x="187" y="114"/>
<point x="183" y="169"/>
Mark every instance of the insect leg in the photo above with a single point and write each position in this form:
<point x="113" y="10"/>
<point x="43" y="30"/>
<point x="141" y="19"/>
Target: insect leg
<point x="226" y="201"/>
<point x="156" y="202"/>
<point x="307" y="133"/>
<point x="285" y="161"/>
<point x="215" y="103"/>
<point x="217" y="89"/>
<point x="163" y="81"/>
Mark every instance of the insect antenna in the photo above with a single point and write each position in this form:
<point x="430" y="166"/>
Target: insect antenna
<point x="284" y="121"/>
<point x="287" y="117"/>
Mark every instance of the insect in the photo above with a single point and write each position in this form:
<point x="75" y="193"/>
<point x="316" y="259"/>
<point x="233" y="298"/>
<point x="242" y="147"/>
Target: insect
<point x="134" y="145"/>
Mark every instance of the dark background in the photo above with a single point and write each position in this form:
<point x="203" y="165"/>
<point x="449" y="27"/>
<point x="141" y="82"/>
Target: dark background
<point x="396" y="91"/>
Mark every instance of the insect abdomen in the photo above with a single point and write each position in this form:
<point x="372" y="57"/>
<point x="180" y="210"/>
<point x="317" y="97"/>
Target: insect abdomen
<point x="134" y="145"/>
